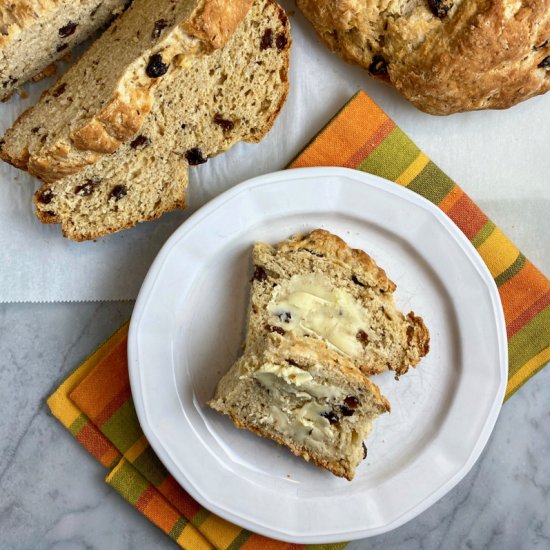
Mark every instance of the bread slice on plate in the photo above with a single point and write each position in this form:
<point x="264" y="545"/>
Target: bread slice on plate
<point x="292" y="392"/>
<point x="316" y="287"/>
<point x="203" y="106"/>
<point x="321" y="317"/>
<point x="103" y="100"/>
<point x="36" y="34"/>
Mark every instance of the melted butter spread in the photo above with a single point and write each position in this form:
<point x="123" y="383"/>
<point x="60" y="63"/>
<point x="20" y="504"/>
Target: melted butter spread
<point x="305" y="421"/>
<point x="311" y="305"/>
<point x="290" y="379"/>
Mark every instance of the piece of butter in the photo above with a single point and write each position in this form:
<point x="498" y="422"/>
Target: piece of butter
<point x="303" y="423"/>
<point x="311" y="305"/>
<point x="291" y="379"/>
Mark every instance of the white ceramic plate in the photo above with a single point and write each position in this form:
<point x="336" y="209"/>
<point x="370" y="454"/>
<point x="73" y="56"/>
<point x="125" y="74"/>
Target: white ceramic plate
<point x="188" y="325"/>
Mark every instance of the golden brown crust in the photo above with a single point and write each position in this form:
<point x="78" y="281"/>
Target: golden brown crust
<point x="117" y="123"/>
<point x="59" y="162"/>
<point x="103" y="134"/>
<point x="481" y="55"/>
<point x="93" y="137"/>
<point x="325" y="243"/>
<point x="50" y="70"/>
<point x="216" y="20"/>
<point x="14" y="16"/>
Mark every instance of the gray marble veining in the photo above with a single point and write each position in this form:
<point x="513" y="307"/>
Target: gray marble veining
<point x="53" y="495"/>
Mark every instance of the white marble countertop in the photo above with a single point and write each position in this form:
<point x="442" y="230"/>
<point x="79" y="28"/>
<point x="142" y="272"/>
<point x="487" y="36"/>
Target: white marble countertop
<point x="52" y="491"/>
<point x="53" y="494"/>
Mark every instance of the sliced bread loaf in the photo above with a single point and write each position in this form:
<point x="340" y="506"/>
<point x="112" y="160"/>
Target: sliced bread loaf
<point x="203" y="106"/>
<point x="103" y="100"/>
<point x="36" y="34"/>
<point x="292" y="392"/>
<point x="317" y="287"/>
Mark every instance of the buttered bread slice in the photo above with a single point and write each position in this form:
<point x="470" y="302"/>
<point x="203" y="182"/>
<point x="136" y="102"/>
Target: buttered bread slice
<point x="321" y="319"/>
<point x="318" y="288"/>
<point x="292" y="392"/>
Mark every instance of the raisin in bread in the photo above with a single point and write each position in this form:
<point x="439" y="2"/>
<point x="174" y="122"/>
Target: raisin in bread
<point x="103" y="100"/>
<point x="203" y="106"/>
<point x="293" y="393"/>
<point x="317" y="287"/>
<point x="36" y="34"/>
<point x="445" y="56"/>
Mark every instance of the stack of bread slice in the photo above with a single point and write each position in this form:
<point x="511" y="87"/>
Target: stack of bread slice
<point x="322" y="317"/>
<point x="169" y="85"/>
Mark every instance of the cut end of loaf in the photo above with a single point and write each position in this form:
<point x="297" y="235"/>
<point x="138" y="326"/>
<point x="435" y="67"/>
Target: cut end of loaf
<point x="103" y="100"/>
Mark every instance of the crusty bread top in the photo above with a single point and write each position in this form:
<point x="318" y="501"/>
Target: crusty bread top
<point x="445" y="56"/>
<point x="102" y="101"/>
<point x="215" y="20"/>
<point x="326" y="243"/>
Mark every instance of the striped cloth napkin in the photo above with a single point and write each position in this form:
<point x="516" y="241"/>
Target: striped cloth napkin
<point x="95" y="403"/>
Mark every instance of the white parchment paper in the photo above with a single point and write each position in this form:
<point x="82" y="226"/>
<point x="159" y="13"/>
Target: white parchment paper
<point x="501" y="158"/>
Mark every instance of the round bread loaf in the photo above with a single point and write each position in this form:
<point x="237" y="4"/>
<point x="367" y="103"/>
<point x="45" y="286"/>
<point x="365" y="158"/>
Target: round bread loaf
<point x="445" y="56"/>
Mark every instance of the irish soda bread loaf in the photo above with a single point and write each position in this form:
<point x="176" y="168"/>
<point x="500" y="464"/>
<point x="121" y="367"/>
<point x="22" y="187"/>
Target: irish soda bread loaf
<point x="103" y="100"/>
<point x="292" y="392"/>
<point x="444" y="56"/>
<point x="201" y="107"/>
<point x="36" y="33"/>
<point x="318" y="288"/>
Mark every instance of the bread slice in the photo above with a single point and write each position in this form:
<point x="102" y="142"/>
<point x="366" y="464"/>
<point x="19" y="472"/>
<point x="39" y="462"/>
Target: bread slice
<point x="292" y="392"/>
<point x="203" y="106"/>
<point x="318" y="288"/>
<point x="36" y="34"/>
<point x="103" y="100"/>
